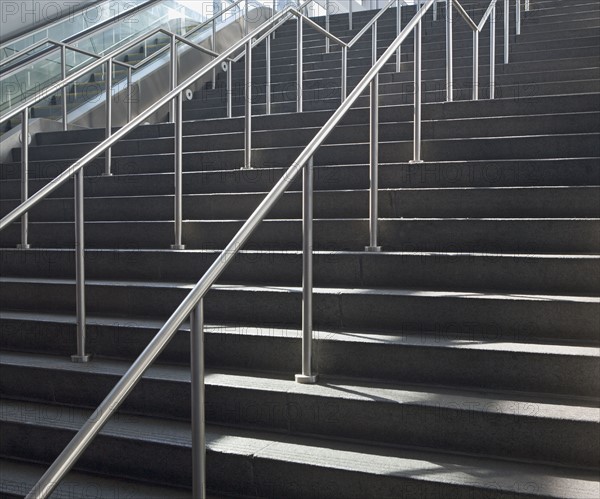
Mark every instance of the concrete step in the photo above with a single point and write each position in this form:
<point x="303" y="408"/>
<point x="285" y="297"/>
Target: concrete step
<point x="504" y="173"/>
<point x="348" y="469"/>
<point x="20" y="478"/>
<point x="568" y="318"/>
<point x="488" y="235"/>
<point x="502" y="425"/>
<point x="555" y="274"/>
<point x="465" y="355"/>
<point x="510" y="202"/>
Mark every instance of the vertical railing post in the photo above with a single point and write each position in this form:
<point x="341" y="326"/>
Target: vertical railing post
<point x="198" y="402"/>
<point x="129" y="93"/>
<point x="518" y="17"/>
<point x="506" y="31"/>
<point x="374" y="166"/>
<point x="299" y="63"/>
<point x="213" y="46"/>
<point x="81" y="356"/>
<point x="350" y="14"/>
<point x="435" y="11"/>
<point x="307" y="375"/>
<point x="475" y="64"/>
<point x="268" y="76"/>
<point x="398" y="30"/>
<point x="527" y="5"/>
<point x="248" y="113"/>
<point x="327" y="25"/>
<point x="178" y="167"/>
<point x="493" y="53"/>
<point x="63" y="64"/>
<point x="246" y="17"/>
<point x="374" y="43"/>
<point x="229" y="89"/>
<point x="24" y="178"/>
<point x="344" y="72"/>
<point x="108" y="132"/>
<point x="417" y="94"/>
<point x="173" y="76"/>
<point x="449" y="52"/>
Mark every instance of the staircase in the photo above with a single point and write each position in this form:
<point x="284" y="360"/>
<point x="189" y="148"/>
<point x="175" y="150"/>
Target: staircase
<point x="461" y="362"/>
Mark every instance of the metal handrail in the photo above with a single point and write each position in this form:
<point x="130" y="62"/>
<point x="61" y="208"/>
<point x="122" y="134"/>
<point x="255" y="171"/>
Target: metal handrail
<point x="192" y="305"/>
<point x="490" y="14"/>
<point x="81" y="34"/>
<point x="373" y="20"/>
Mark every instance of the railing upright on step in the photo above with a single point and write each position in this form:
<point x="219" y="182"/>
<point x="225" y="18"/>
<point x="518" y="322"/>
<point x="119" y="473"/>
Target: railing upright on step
<point x="192" y="305"/>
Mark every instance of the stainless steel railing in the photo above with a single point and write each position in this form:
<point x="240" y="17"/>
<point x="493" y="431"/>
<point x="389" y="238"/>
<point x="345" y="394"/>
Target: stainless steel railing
<point x="192" y="305"/>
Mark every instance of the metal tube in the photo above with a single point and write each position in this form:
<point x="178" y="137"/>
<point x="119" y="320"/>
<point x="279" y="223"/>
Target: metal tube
<point x="173" y="77"/>
<point x="475" y="65"/>
<point x="81" y="356"/>
<point x="435" y="14"/>
<point x="108" y="132"/>
<point x="213" y="46"/>
<point x="518" y="17"/>
<point x="81" y="441"/>
<point x="63" y="64"/>
<point x="374" y="166"/>
<point x="129" y="93"/>
<point x="198" y="402"/>
<point x="350" y="14"/>
<point x="24" y="178"/>
<point x="178" y="219"/>
<point x="493" y="53"/>
<point x="246" y="17"/>
<point x="299" y="64"/>
<point x="248" y="120"/>
<point x="449" y="52"/>
<point x="307" y="375"/>
<point x="344" y="73"/>
<point x="374" y="44"/>
<point x="398" y="30"/>
<point x="327" y="25"/>
<point x="506" y="31"/>
<point x="527" y="6"/>
<point x="417" y="95"/>
<point x="268" y="76"/>
<point x="229" y="89"/>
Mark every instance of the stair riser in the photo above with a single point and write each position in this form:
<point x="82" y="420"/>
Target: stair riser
<point x="353" y="270"/>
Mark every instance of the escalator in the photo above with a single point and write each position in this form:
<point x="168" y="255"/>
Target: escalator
<point x="27" y="70"/>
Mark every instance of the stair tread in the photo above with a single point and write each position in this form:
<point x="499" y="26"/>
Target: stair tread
<point x="18" y="478"/>
<point x="480" y="472"/>
<point x="319" y="290"/>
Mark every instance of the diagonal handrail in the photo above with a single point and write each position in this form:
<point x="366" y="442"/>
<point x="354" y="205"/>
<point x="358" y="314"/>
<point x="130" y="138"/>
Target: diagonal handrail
<point x="192" y="305"/>
<point x="192" y="302"/>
